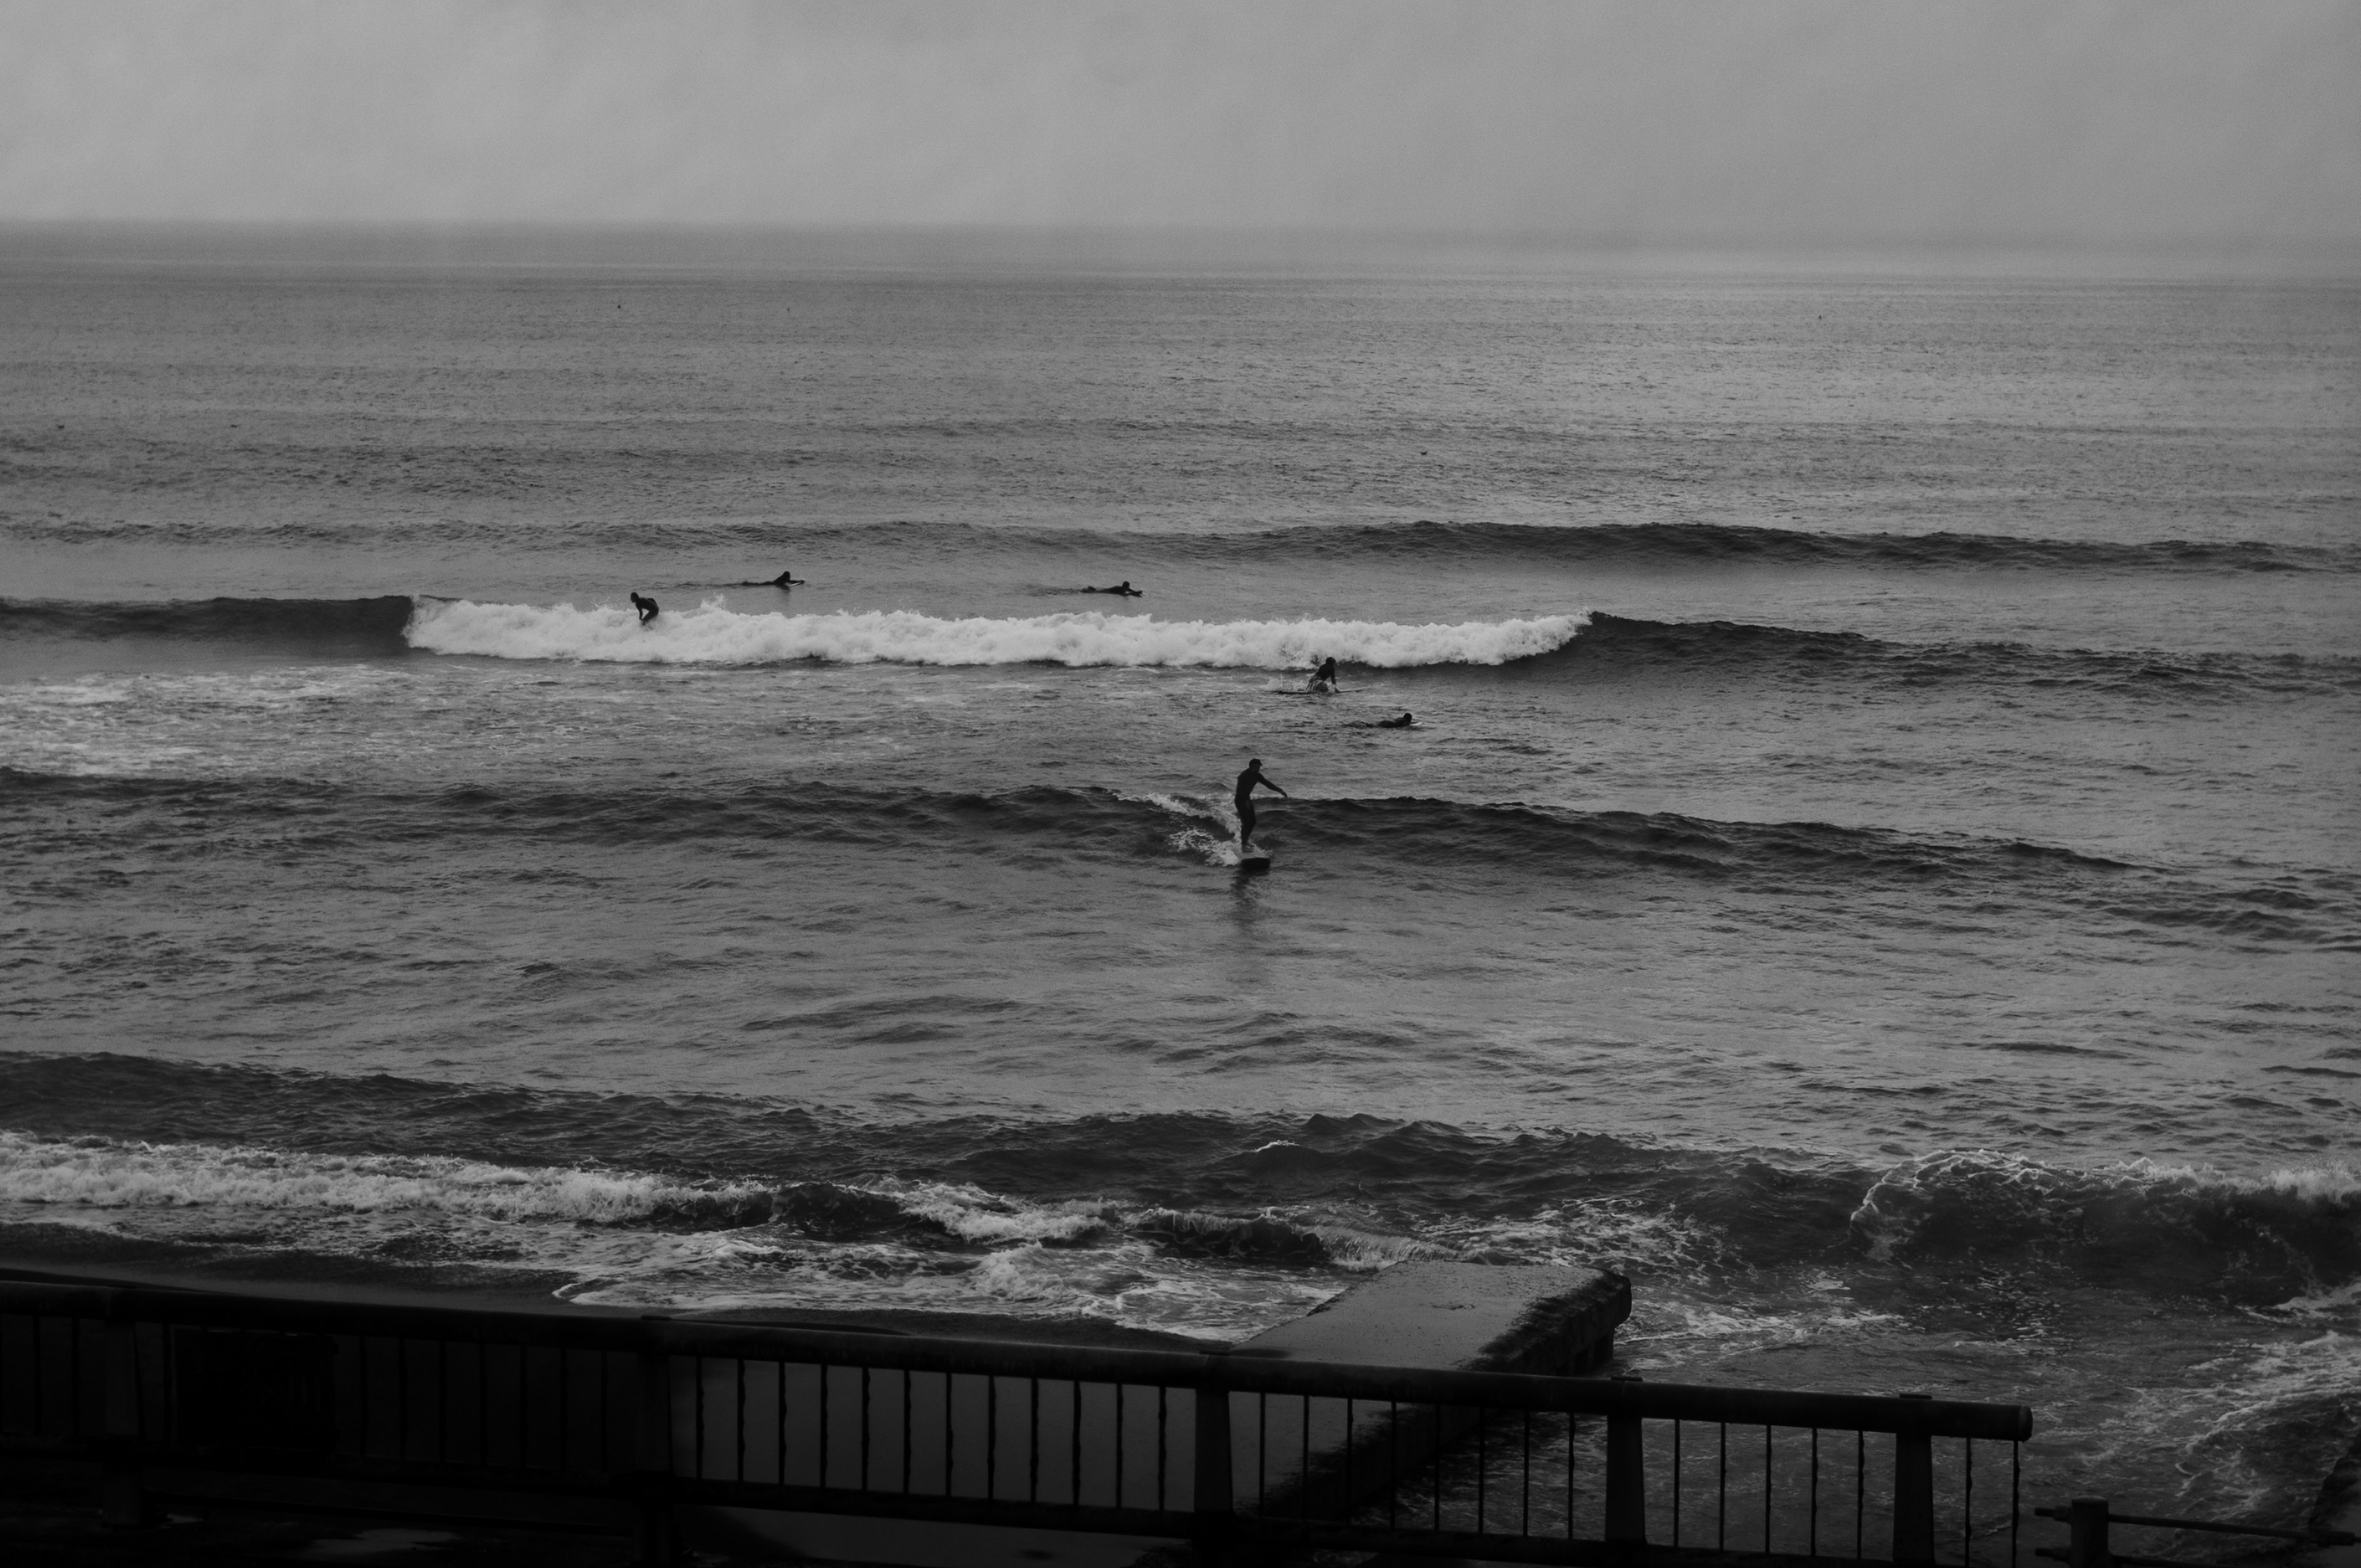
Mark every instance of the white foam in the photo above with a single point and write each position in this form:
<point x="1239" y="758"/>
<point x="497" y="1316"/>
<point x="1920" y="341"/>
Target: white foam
<point x="974" y="1215"/>
<point x="102" y="1174"/>
<point x="710" y="635"/>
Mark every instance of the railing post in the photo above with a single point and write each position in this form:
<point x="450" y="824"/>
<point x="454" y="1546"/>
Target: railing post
<point x="2086" y="1541"/>
<point x="1627" y="1489"/>
<point x="1210" y="1480"/>
<point x="123" y="1503"/>
<point x="659" y="1541"/>
<point x="1914" y="1495"/>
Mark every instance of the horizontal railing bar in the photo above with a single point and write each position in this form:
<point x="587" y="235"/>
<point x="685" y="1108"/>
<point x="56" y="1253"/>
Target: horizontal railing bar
<point x="26" y="1299"/>
<point x="348" y="1467"/>
<point x="1085" y="1364"/>
<point x="1645" y="1401"/>
<point x="935" y="1507"/>
<point x="389" y="1509"/>
<point x="376" y="1320"/>
<point x="1517" y="1548"/>
<point x="915" y="1353"/>
<point x="2324" y="1537"/>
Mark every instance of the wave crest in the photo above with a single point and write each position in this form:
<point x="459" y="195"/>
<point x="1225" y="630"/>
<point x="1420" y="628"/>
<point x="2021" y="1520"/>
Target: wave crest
<point x="710" y="635"/>
<point x="2289" y="1230"/>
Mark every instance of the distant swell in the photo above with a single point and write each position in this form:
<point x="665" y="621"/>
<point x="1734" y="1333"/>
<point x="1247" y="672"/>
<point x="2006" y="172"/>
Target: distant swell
<point x="1777" y="860"/>
<point x="709" y="634"/>
<point x="1620" y="645"/>
<point x="1649" y="545"/>
<point x="1709" y="544"/>
<point x="351" y="626"/>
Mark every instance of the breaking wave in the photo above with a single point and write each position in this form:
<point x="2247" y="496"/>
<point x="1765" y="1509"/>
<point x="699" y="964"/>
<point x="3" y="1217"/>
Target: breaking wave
<point x="108" y="1174"/>
<point x="2174" y="1226"/>
<point x="709" y="634"/>
<point x="1335" y="1195"/>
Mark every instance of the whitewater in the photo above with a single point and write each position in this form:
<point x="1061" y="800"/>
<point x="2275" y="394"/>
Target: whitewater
<point x="713" y="634"/>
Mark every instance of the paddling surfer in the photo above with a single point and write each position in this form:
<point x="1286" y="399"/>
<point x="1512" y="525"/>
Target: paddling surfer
<point x="782" y="582"/>
<point x="1246" y="783"/>
<point x="646" y="605"/>
<point x="1121" y="590"/>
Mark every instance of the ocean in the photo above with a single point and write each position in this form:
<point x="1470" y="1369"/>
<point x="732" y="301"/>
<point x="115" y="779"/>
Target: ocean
<point x="1875" y="855"/>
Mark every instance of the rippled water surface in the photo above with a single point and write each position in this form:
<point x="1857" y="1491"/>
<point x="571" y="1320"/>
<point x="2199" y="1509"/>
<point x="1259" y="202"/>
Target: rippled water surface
<point x="1874" y="856"/>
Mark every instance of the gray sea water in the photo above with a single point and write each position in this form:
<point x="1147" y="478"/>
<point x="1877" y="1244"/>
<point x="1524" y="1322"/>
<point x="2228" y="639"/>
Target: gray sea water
<point x="1874" y="858"/>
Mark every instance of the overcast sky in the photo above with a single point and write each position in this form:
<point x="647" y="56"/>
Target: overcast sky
<point x="2001" y="122"/>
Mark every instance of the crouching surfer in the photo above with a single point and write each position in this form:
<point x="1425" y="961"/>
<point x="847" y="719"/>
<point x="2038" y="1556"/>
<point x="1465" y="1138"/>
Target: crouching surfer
<point x="1324" y="678"/>
<point x="646" y="605"/>
<point x="1248" y="780"/>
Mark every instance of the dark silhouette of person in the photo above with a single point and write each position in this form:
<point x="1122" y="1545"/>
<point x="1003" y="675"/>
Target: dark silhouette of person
<point x="782" y="582"/>
<point x="1246" y="783"/>
<point x="1323" y="678"/>
<point x="1401" y="723"/>
<point x="1121" y="590"/>
<point x="646" y="605"/>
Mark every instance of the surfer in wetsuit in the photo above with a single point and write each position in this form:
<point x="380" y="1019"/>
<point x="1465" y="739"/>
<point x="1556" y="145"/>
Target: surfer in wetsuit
<point x="1121" y="590"/>
<point x="646" y="605"/>
<point x="1324" y="678"/>
<point x="782" y="582"/>
<point x="1401" y="723"/>
<point x="1246" y="783"/>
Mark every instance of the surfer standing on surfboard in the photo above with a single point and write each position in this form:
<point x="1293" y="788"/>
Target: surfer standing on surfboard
<point x="1247" y="782"/>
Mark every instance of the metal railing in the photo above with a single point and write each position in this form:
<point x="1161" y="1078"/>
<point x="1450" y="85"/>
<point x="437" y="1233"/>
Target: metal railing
<point x="1226" y="1451"/>
<point x="2088" y="1544"/>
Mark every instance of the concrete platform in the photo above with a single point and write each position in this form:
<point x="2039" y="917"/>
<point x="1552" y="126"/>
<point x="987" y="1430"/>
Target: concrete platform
<point x="1317" y="1457"/>
<point x="1288" y="1453"/>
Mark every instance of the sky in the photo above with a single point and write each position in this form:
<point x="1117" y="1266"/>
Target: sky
<point x="2061" y="122"/>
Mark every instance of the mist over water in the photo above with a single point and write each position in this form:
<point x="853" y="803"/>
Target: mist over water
<point x="1874" y="856"/>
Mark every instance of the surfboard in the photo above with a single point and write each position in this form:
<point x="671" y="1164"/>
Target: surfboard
<point x="1256" y="859"/>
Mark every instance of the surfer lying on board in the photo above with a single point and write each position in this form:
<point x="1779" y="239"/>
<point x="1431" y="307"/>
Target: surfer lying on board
<point x="1324" y="678"/>
<point x="1401" y="723"/>
<point x="780" y="581"/>
<point x="1121" y="590"/>
<point x="646" y="605"/>
<point x="1247" y="782"/>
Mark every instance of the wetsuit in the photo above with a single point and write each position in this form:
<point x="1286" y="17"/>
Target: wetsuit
<point x="1244" y="799"/>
